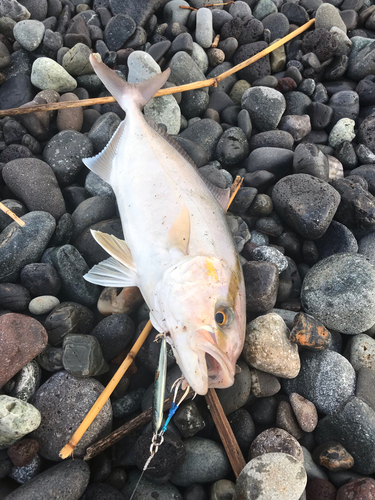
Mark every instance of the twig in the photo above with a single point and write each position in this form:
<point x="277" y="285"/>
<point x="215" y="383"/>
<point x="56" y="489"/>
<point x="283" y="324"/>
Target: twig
<point x="11" y="214"/>
<point x="211" y="82"/>
<point x="122" y="431"/>
<point x="234" y="189"/>
<point x="100" y="402"/>
<point x="227" y="437"/>
<point x="215" y="43"/>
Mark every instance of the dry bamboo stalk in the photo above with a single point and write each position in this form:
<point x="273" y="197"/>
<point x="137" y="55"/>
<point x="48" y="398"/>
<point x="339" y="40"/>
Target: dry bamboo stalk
<point x="100" y="402"/>
<point x="122" y="431"/>
<point x="211" y="82"/>
<point x="215" y="43"/>
<point x="234" y="453"/>
<point x="11" y="214"/>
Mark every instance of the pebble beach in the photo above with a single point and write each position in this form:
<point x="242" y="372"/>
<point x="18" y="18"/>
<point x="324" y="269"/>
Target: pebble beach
<point x="298" y="126"/>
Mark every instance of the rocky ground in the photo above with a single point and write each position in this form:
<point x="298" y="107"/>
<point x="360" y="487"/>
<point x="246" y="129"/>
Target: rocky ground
<point x="299" y="126"/>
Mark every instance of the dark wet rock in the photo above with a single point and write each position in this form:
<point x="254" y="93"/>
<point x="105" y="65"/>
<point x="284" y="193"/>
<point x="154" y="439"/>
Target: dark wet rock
<point x="257" y="70"/>
<point x="232" y="147"/>
<point x="67" y="318"/>
<point x="271" y="139"/>
<point x="261" y="279"/>
<point x="277" y="161"/>
<point x="308" y="159"/>
<point x="40" y="279"/>
<point x="306" y="203"/>
<point x="27" y="243"/>
<point x="34" y="182"/>
<point x="62" y="401"/>
<point x="114" y="334"/>
<point x="205" y="133"/>
<point x="337" y="239"/>
<point x="17" y="207"/>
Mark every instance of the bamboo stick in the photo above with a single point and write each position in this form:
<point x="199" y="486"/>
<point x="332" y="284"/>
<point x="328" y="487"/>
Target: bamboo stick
<point x="11" y="214"/>
<point x="100" y="402"/>
<point x="228" y="439"/>
<point x="211" y="82"/>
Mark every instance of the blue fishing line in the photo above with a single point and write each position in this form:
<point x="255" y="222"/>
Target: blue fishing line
<point x="172" y="411"/>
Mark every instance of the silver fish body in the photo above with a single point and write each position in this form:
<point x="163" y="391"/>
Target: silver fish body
<point x="179" y="250"/>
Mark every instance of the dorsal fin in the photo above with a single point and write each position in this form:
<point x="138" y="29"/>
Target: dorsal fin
<point x="222" y="196"/>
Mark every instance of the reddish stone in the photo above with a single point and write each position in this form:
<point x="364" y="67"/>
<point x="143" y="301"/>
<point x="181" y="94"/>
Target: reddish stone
<point x="320" y="489"/>
<point x="22" y="452"/>
<point x="309" y="333"/>
<point x="21" y="339"/>
<point x="360" y="489"/>
<point x="286" y="85"/>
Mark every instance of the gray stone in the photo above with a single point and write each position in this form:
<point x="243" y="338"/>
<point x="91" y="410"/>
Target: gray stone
<point x="82" y="356"/>
<point x="265" y="106"/>
<point x="352" y="425"/>
<point x="340" y="291"/>
<point x="275" y="440"/>
<point x="63" y="401"/>
<point x="43" y="304"/>
<point x="366" y="247"/>
<point x="313" y="470"/>
<point x="203" y="30"/>
<point x="205" y="462"/>
<point x="297" y="126"/>
<point x="48" y="74"/>
<point x="268" y="348"/>
<point x="362" y="352"/>
<point x="24" y="245"/>
<point x="199" y="56"/>
<point x="270" y="254"/>
<point x="327" y="16"/>
<point x="173" y="14"/>
<point x="236" y="396"/>
<point x="14" y="10"/>
<point x="361" y="60"/>
<point x="148" y="488"/>
<point x="306" y="203"/>
<point x="17" y="418"/>
<point x="76" y="60"/>
<point x="264" y="8"/>
<point x="67" y="480"/>
<point x="95" y="186"/>
<point x="29" y="34"/>
<point x="326" y="378"/>
<point x="71" y="267"/>
<point x="273" y="476"/>
<point x="129" y="403"/>
<point x="188" y="419"/>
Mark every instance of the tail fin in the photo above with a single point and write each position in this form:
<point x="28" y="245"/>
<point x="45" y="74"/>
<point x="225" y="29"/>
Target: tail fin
<point x="127" y="93"/>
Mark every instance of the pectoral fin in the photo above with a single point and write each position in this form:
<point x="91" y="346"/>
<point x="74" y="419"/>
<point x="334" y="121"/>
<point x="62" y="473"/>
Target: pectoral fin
<point x="179" y="233"/>
<point x="117" y="248"/>
<point x="111" y="272"/>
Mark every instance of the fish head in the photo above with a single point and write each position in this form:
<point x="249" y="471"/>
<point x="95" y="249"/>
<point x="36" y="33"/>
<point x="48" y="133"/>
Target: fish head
<point x="202" y="303"/>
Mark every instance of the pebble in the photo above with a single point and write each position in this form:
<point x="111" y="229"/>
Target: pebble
<point x="39" y="278"/>
<point x="337" y="239"/>
<point x="256" y="70"/>
<point x="309" y="333"/>
<point x="64" y="154"/>
<point x="305" y="412"/>
<point x="17" y="418"/>
<point x="243" y="428"/>
<point x="275" y="440"/>
<point x="297" y="126"/>
<point x="326" y="378"/>
<point x="263" y="384"/>
<point x="270" y="254"/>
<point x="222" y="489"/>
<point x="362" y="352"/>
<point x="82" y="356"/>
<point x="29" y="34"/>
<point x="51" y="359"/>
<point x="68" y="479"/>
<point x="91" y="211"/>
<point x="95" y="186"/>
<point x="320" y="488"/>
<point x="22" y="452"/>
<point x="71" y="118"/>
<point x="268" y="348"/>
<point x="102" y="490"/>
<point x="48" y="74"/>
<point x="114" y="333"/>
<point x="188" y="419"/>
<point x="328" y="16"/>
<point x="333" y="456"/>
<point x="23" y="338"/>
<point x="61" y="401"/>
<point x="265" y="106"/>
<point x="311" y="207"/>
<point x="148" y="488"/>
<point x="345" y="282"/>
<point x="342" y="131"/>
<point x="40" y="191"/>
<point x="27" y="472"/>
<point x="68" y="317"/>
<point x="353" y="425"/>
<point x="205" y="462"/>
<point x="25" y="382"/>
<point x="261" y="282"/>
<point x="232" y="147"/>
<point x="235" y="397"/>
<point x="14" y="10"/>
<point x="273" y="475"/>
<point x="203" y="30"/>
<point x="285" y="419"/>
<point x="200" y="57"/>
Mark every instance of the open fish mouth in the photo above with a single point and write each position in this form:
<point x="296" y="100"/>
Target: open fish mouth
<point x="220" y="372"/>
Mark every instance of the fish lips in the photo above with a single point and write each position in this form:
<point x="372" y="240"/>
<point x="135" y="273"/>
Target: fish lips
<point x="220" y="370"/>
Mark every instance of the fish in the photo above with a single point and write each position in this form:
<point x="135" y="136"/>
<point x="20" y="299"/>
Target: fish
<point x="177" y="248"/>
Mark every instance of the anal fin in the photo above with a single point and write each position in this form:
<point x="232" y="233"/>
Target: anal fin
<point x="110" y="272"/>
<point x="101" y="164"/>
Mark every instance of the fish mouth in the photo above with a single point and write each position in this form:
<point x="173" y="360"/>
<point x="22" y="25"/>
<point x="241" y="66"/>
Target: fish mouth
<point x="220" y="371"/>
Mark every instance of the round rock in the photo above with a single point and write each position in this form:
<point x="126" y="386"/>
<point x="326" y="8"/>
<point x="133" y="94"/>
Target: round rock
<point x="340" y="291"/>
<point x="275" y="440"/>
<point x="29" y="34"/>
<point x="17" y="418"/>
<point x="62" y="401"/>
<point x="272" y="476"/>
<point x="268" y="348"/>
<point x="48" y="74"/>
<point x="265" y="106"/>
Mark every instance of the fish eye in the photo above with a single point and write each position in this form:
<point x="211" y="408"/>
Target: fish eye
<point x="220" y="318"/>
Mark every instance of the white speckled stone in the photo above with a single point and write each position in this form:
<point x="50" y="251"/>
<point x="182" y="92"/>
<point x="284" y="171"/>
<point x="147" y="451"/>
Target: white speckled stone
<point x="17" y="419"/>
<point x="48" y="74"/>
<point x="268" y="348"/>
<point x="43" y="304"/>
<point x="362" y="352"/>
<point x="342" y="131"/>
